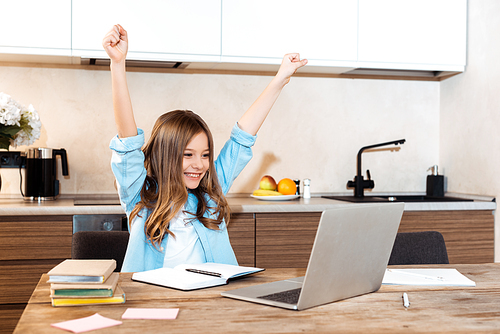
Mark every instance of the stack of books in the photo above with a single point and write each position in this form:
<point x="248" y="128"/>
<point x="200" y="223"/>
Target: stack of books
<point x="85" y="282"/>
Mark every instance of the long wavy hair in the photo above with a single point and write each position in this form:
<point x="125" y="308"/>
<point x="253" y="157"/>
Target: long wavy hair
<point x="164" y="192"/>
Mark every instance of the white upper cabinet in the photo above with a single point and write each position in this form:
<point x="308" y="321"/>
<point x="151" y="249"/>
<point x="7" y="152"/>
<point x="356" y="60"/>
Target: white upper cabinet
<point x="418" y="35"/>
<point x="35" y="27"/>
<point x="336" y="36"/>
<point x="176" y="30"/>
<point x="263" y="31"/>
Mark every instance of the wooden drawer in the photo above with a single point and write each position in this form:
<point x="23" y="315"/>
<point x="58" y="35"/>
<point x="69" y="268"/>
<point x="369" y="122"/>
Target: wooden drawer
<point x="469" y="235"/>
<point x="241" y="231"/>
<point x="285" y="240"/>
<point x="19" y="278"/>
<point x="9" y="316"/>
<point x="35" y="237"/>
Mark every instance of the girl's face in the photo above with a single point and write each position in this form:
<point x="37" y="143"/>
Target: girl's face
<point x="196" y="160"/>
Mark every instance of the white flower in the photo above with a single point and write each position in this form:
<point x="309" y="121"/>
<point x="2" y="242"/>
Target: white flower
<point x="10" y="110"/>
<point x="25" y="120"/>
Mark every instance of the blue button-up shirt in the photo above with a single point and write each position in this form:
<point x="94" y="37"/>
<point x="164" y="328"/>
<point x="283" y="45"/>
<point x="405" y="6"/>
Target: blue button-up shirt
<point x="127" y="164"/>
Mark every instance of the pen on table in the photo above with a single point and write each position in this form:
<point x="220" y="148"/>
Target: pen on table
<point x="433" y="278"/>
<point x="209" y="273"/>
<point x="406" y="301"/>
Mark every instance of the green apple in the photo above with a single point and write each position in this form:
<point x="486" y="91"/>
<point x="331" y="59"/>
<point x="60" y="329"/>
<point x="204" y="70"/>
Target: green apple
<point x="267" y="183"/>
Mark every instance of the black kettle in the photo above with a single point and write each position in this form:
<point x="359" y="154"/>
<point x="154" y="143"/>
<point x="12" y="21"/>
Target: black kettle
<point x="41" y="182"/>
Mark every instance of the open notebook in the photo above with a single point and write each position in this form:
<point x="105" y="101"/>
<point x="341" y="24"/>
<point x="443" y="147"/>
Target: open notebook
<point x="194" y="276"/>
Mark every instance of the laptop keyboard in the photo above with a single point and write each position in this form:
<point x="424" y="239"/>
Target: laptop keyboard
<point x="288" y="296"/>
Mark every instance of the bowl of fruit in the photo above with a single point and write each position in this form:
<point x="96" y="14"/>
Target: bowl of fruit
<point x="269" y="190"/>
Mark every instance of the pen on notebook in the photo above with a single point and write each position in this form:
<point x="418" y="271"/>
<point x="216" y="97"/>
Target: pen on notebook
<point x="434" y="278"/>
<point x="406" y="301"/>
<point x="198" y="271"/>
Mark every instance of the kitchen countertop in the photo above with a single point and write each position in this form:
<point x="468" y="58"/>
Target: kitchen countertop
<point x="239" y="203"/>
<point x="19" y="207"/>
<point x="318" y="204"/>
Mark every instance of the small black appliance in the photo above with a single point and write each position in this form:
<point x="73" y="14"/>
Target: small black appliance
<point x="41" y="182"/>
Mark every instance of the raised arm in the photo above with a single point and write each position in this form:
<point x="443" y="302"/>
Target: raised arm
<point x="116" y="45"/>
<point x="253" y="118"/>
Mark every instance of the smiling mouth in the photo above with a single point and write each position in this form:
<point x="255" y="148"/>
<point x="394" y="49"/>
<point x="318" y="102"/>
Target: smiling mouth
<point x="193" y="175"/>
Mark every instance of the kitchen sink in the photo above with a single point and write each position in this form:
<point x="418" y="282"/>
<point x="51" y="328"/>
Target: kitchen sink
<point x="397" y="198"/>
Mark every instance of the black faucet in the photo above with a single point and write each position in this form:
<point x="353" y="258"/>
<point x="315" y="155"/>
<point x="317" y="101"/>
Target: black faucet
<point x="359" y="183"/>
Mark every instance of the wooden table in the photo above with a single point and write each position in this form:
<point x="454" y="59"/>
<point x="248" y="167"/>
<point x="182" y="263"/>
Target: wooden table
<point x="432" y="309"/>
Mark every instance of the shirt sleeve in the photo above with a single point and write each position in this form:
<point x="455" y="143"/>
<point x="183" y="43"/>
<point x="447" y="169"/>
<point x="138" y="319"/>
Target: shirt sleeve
<point x="127" y="163"/>
<point x="233" y="157"/>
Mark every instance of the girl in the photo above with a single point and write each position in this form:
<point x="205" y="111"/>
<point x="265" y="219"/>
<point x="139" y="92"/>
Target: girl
<point x="173" y="190"/>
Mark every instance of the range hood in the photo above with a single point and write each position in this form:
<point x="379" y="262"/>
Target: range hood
<point x="342" y="72"/>
<point x="397" y="73"/>
<point x="135" y="63"/>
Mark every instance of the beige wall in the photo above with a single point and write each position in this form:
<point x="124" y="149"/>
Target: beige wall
<point x="314" y="131"/>
<point x="470" y="110"/>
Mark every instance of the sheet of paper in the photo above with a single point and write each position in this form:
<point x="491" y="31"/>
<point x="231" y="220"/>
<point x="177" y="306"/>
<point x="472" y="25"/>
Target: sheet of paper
<point x="81" y="325"/>
<point x="150" y="313"/>
<point x="424" y="276"/>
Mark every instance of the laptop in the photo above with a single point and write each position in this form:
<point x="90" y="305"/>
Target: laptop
<point x="349" y="257"/>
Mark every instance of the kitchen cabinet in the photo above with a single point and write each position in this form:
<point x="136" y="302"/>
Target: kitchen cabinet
<point x="338" y="36"/>
<point x="241" y="231"/>
<point x="469" y="235"/>
<point x="35" y="27"/>
<point x="173" y="30"/>
<point x="348" y="37"/>
<point x="416" y="35"/>
<point x="29" y="247"/>
<point x="260" y="31"/>
<point x="285" y="240"/>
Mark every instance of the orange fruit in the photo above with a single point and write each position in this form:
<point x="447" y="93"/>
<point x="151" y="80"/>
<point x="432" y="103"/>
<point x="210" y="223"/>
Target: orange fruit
<point x="287" y="187"/>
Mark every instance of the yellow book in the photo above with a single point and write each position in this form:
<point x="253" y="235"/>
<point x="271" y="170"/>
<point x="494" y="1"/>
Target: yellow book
<point x="82" y="271"/>
<point x="85" y="290"/>
<point x="117" y="298"/>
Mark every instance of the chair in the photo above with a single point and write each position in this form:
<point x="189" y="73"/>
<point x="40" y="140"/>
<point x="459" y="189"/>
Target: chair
<point x="419" y="248"/>
<point x="100" y="245"/>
